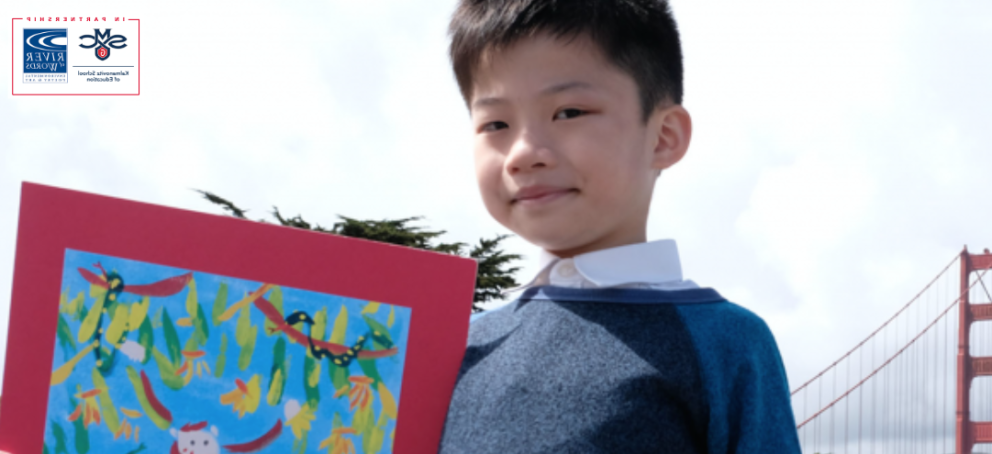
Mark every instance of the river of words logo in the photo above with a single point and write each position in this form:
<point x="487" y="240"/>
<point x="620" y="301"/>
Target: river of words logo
<point x="45" y="55"/>
<point x="103" y="41"/>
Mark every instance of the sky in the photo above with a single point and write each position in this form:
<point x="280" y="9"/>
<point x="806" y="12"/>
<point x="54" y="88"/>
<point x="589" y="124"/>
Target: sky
<point x="840" y="156"/>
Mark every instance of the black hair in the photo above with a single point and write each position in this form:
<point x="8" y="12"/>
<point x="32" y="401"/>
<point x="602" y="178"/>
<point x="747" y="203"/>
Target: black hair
<point x="639" y="37"/>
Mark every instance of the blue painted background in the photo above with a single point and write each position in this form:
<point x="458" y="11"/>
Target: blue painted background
<point x="200" y="399"/>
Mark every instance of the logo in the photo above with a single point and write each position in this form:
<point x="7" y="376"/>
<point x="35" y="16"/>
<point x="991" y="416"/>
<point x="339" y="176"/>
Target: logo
<point x="44" y="50"/>
<point x="103" y="43"/>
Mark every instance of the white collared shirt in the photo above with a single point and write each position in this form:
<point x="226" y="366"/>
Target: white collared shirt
<point x="652" y="265"/>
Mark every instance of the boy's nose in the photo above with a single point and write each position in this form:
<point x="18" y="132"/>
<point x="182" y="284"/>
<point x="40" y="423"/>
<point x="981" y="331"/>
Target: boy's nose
<point x="529" y="152"/>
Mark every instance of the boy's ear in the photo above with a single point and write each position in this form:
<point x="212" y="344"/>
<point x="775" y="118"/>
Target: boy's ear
<point x="672" y="128"/>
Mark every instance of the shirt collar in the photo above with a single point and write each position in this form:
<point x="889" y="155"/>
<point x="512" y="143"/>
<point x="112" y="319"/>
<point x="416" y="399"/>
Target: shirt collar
<point x="652" y="262"/>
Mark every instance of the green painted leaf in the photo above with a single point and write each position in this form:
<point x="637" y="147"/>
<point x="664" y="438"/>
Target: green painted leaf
<point x="167" y="370"/>
<point x="60" y="446"/>
<point x="64" y="334"/>
<point x="108" y="359"/>
<point x="370" y="370"/>
<point x="336" y="421"/>
<point x="248" y="349"/>
<point x="171" y="339"/>
<point x="140" y="448"/>
<point x="107" y="409"/>
<point x="221" y="356"/>
<point x="200" y="326"/>
<point x="220" y="303"/>
<point x="301" y="445"/>
<point x="277" y="376"/>
<point x="146" y="337"/>
<point x="82" y="438"/>
<point x="157" y="317"/>
<point x="139" y="392"/>
<point x="275" y="297"/>
<point x="44" y="448"/>
<point x="340" y="326"/>
<point x="110" y="306"/>
<point x="339" y="376"/>
<point x="313" y="392"/>
<point x="191" y="299"/>
<point x="379" y="333"/>
<point x="88" y="327"/>
<point x="78" y="304"/>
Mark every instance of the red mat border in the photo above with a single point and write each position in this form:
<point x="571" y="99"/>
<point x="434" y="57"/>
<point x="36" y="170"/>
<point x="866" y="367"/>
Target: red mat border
<point x="438" y="288"/>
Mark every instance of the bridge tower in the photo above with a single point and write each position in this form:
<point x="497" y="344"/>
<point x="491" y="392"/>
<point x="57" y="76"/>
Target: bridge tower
<point x="968" y="433"/>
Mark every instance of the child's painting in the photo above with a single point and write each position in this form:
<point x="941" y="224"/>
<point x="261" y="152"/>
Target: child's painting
<point x="150" y="358"/>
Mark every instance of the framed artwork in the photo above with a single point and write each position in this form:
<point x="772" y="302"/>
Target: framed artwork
<point x="139" y="328"/>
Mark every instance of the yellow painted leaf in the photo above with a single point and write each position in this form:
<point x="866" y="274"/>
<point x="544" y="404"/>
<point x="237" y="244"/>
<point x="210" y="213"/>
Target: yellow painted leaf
<point x="275" y="389"/>
<point x="117" y="325"/>
<point x="340" y="326"/>
<point x="138" y="313"/>
<point x="363" y="419"/>
<point x="191" y="299"/>
<point x="314" y="378"/>
<point x="109" y="412"/>
<point x="65" y="370"/>
<point x="74" y="307"/>
<point x="319" y="324"/>
<point x="185" y="321"/>
<point x="131" y="413"/>
<point x="371" y="308"/>
<point x="243" y="328"/>
<point x="392" y="317"/>
<point x="254" y="395"/>
<point x="373" y="442"/>
<point x="388" y="402"/>
<point x="96" y="291"/>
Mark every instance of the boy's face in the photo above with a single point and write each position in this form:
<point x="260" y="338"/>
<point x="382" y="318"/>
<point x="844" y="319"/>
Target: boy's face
<point x="562" y="155"/>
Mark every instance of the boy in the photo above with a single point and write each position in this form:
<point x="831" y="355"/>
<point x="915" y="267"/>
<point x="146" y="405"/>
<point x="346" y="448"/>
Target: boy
<point x="576" y="110"/>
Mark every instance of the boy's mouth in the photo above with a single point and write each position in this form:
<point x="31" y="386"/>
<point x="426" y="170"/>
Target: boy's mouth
<point x="540" y="194"/>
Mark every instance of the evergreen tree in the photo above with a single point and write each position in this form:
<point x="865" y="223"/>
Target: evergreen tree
<point x="494" y="271"/>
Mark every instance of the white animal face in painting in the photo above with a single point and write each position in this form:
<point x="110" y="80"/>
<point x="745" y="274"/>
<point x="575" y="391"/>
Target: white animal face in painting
<point x="198" y="442"/>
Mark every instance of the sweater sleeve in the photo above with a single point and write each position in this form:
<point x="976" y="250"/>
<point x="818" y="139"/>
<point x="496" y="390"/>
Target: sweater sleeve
<point x="750" y="408"/>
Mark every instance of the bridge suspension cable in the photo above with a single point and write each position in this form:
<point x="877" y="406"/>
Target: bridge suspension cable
<point x="902" y="397"/>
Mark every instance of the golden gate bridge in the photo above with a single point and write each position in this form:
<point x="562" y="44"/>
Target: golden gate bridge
<point x="920" y="383"/>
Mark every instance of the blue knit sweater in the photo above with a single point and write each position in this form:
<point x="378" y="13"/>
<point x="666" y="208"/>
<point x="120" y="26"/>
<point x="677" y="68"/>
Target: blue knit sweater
<point x="564" y="370"/>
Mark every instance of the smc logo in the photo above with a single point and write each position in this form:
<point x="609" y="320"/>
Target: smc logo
<point x="104" y="42"/>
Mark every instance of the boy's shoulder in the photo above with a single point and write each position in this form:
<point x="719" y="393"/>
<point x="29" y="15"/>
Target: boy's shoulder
<point x="725" y="324"/>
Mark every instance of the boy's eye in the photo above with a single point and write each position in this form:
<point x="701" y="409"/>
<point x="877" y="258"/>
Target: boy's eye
<point x="494" y="125"/>
<point x="565" y="114"/>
